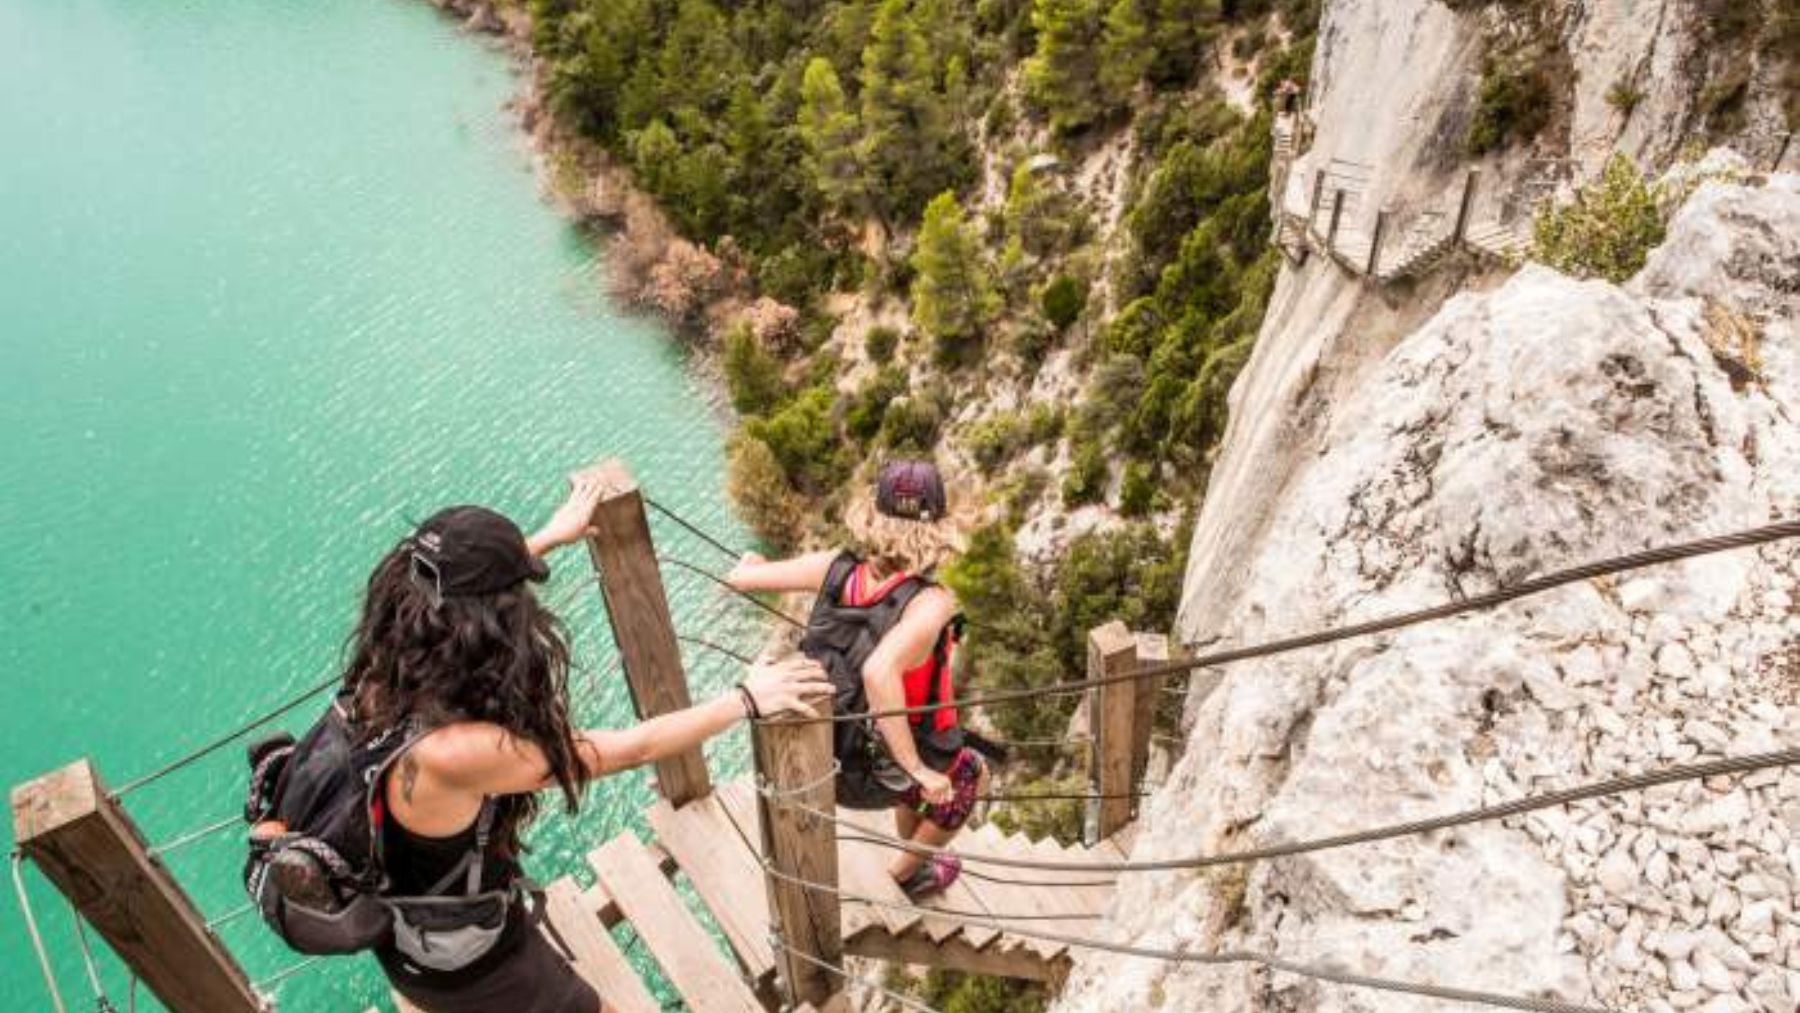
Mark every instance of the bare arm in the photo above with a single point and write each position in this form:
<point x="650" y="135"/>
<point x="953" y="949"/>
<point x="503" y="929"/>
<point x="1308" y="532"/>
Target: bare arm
<point x="904" y="646"/>
<point x="571" y="522"/>
<point x="443" y="779"/>
<point x="801" y="573"/>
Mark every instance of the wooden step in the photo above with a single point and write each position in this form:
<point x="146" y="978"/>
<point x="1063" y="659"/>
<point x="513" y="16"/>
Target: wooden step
<point x="597" y="958"/>
<point x="1020" y="895"/>
<point x="689" y="958"/>
<point x="862" y="871"/>
<point x="726" y="875"/>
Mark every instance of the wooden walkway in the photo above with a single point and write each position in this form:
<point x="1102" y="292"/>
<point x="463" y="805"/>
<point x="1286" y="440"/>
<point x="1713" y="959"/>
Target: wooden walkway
<point x="1381" y="244"/>
<point x="697" y="871"/>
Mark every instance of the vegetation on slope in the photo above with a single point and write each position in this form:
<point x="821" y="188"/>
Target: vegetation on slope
<point x="824" y="148"/>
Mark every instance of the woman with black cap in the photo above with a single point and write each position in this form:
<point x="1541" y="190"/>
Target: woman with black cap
<point x="886" y="633"/>
<point x="458" y="664"/>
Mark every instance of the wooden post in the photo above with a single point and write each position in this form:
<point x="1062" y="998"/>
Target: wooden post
<point x="794" y="763"/>
<point x="1381" y="219"/>
<point x="1152" y="649"/>
<point x="1337" y="214"/>
<point x="86" y="844"/>
<point x="638" y="610"/>
<point x="1112" y="651"/>
<point x="1466" y="206"/>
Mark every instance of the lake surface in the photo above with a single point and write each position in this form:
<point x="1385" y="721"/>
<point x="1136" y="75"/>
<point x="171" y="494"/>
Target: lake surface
<point x="274" y="278"/>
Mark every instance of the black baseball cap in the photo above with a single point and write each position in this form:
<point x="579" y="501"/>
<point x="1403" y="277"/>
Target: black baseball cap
<point x="471" y="550"/>
<point x="911" y="490"/>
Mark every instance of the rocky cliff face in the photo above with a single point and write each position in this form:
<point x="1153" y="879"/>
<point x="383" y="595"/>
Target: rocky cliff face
<point x="1546" y="422"/>
<point x="1394" y="448"/>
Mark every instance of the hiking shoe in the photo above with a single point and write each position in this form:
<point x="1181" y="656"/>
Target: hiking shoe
<point x="934" y="877"/>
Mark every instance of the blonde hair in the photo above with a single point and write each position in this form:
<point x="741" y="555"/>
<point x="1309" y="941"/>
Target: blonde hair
<point x="898" y="545"/>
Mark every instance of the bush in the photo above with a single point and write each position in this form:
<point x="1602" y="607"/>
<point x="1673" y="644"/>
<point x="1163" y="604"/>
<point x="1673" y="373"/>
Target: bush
<point x="1137" y="491"/>
<point x="993" y="441"/>
<point x="869" y="405"/>
<point x="911" y="424"/>
<point x="752" y="375"/>
<point x="801" y="436"/>
<point x="1060" y="820"/>
<point x="1063" y="300"/>
<point x="1086" y="481"/>
<point x="1610" y="228"/>
<point x="759" y="487"/>
<point x="1513" y="102"/>
<point x="880" y="343"/>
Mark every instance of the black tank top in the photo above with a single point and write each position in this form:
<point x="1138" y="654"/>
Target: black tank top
<point x="415" y="863"/>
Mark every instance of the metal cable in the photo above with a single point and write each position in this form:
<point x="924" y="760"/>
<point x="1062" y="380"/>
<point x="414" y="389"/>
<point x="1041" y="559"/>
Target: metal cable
<point x="1529" y="803"/>
<point x="1062" y="796"/>
<point x="855" y="979"/>
<point x="728" y="586"/>
<point x="1222" y="957"/>
<point x="252" y="725"/>
<point x="987" y="877"/>
<point x="1490" y="599"/>
<point x="285" y="973"/>
<point x="701" y="642"/>
<point x="693" y="529"/>
<point x="157" y="850"/>
<point x="31" y="929"/>
<point x="102" y="1001"/>
<point x="230" y="916"/>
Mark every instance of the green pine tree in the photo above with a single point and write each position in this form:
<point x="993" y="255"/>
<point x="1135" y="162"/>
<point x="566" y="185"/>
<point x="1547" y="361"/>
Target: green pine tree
<point x="953" y="291"/>
<point x="830" y="132"/>
<point x="1062" y="76"/>
<point x="910" y="149"/>
<point x="1125" y="52"/>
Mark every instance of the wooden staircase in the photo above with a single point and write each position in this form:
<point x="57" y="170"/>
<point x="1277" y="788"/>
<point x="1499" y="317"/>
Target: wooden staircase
<point x="703" y="844"/>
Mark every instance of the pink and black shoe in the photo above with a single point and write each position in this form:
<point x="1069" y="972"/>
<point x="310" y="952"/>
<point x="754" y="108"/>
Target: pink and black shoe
<point x="934" y="877"/>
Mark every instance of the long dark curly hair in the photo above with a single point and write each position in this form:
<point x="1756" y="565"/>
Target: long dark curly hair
<point x="502" y="658"/>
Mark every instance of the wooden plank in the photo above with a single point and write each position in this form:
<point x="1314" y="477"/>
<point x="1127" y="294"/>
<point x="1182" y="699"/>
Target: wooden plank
<point x="86" y="844"/>
<point x="1112" y="652"/>
<point x="1024" y="896"/>
<point x="724" y="874"/>
<point x="793" y="757"/>
<point x="597" y="958"/>
<point x="638" y="610"/>
<point x="680" y="945"/>
<point x="990" y="896"/>
<point x="959" y="897"/>
<point x="864" y="870"/>
<point x="957" y="954"/>
<point x="1152" y="649"/>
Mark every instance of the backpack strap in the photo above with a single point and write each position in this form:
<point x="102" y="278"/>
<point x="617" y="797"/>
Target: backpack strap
<point x="837" y="576"/>
<point x="410" y="732"/>
<point x="470" y="868"/>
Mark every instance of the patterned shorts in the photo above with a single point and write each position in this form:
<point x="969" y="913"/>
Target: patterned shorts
<point x="965" y="780"/>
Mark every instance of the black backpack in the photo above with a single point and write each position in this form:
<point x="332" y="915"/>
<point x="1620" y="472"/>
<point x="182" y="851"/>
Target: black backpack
<point x="841" y="637"/>
<point x="325" y="788"/>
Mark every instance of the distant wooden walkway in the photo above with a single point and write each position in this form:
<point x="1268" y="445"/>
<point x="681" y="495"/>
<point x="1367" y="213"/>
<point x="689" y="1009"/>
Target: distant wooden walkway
<point x="1381" y="244"/>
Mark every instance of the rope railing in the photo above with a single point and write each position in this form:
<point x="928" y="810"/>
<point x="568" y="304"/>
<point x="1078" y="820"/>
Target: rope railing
<point x="31" y="930"/>
<point x="1487" y="600"/>
<point x="1319" y="973"/>
<point x="1517" y="807"/>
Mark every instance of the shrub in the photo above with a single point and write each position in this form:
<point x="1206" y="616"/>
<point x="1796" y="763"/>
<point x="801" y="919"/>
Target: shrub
<point x="1060" y="820"/>
<point x="868" y="406"/>
<point x="759" y="487"/>
<point x="995" y="440"/>
<point x="1624" y="95"/>
<point x="1137" y="490"/>
<point x="1610" y="228"/>
<point x="1086" y="481"/>
<point x="953" y="294"/>
<point x="880" y="343"/>
<point x="911" y="424"/>
<point x="1513" y="102"/>
<point x="801" y="436"/>
<point x="1063" y="300"/>
<point x="752" y="375"/>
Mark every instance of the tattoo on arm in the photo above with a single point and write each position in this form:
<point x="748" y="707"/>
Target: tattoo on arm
<point x="409" y="776"/>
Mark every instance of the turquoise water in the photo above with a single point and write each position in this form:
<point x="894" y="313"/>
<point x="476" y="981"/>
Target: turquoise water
<point x="273" y="278"/>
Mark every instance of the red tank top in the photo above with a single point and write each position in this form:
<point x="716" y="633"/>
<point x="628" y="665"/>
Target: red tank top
<point x="860" y="592"/>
